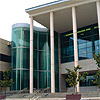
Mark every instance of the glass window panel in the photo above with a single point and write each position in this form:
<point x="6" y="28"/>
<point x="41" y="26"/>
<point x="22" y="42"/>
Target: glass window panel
<point x="25" y="37"/>
<point x="13" y="76"/>
<point x="18" y="85"/>
<point x="87" y="37"/>
<point x="70" y="48"/>
<point x="49" y="60"/>
<point x="83" y="50"/>
<point x="96" y="49"/>
<point x="35" y="59"/>
<point x="25" y="58"/>
<point x="70" y="53"/>
<point x="42" y="79"/>
<point x="55" y="44"/>
<point x="89" y="49"/>
<point x="18" y="57"/>
<point x="82" y="56"/>
<point x="13" y="58"/>
<point x="89" y="55"/>
<point x="96" y="42"/>
<point x="36" y="80"/>
<point x="96" y="37"/>
<point x="99" y="48"/>
<point x="24" y="79"/>
<point x="82" y="45"/>
<point x="64" y="59"/>
<point x="42" y="60"/>
<point x="35" y="40"/>
<point x="89" y="44"/>
<point x="42" y="42"/>
<point x="49" y="79"/>
<point x="81" y="41"/>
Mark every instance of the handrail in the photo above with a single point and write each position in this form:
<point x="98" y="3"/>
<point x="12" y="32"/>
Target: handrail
<point x="25" y="93"/>
<point x="23" y="90"/>
<point x="40" y="91"/>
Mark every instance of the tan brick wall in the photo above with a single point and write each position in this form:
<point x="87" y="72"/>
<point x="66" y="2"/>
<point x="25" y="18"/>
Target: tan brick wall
<point x="4" y="66"/>
<point x="6" y="50"/>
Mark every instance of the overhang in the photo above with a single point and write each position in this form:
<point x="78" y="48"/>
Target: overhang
<point x="86" y="12"/>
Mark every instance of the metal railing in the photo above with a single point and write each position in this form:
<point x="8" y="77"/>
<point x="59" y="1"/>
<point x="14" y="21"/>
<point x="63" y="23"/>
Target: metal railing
<point x="37" y="93"/>
<point x="40" y="93"/>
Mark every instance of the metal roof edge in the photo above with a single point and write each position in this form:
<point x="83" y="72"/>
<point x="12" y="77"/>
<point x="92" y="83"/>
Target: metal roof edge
<point x="45" y="5"/>
<point x="28" y="26"/>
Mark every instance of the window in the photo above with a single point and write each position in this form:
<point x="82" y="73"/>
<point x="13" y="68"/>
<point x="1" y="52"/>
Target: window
<point x="87" y="39"/>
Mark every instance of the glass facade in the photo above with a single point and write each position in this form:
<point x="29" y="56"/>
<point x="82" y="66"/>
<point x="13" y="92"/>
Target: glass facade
<point x="42" y="65"/>
<point x="20" y="57"/>
<point x="89" y="81"/>
<point x="41" y="59"/>
<point x="88" y="43"/>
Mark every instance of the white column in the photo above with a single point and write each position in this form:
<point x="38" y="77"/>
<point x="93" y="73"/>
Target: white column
<point x="75" y="41"/>
<point x="98" y="15"/>
<point x="31" y="54"/>
<point x="52" y="53"/>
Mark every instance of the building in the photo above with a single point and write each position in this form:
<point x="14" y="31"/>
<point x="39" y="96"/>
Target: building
<point x="5" y="56"/>
<point x="20" y="47"/>
<point x="72" y="39"/>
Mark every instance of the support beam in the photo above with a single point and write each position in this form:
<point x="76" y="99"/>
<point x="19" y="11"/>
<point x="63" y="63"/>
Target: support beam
<point x="52" y="53"/>
<point x="75" y="41"/>
<point x="31" y="54"/>
<point x="98" y="15"/>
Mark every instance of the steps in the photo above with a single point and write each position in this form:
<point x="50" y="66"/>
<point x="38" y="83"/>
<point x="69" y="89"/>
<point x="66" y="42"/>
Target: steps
<point x="53" y="96"/>
<point x="63" y="95"/>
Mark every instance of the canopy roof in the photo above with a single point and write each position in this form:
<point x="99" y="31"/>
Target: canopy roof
<point x="86" y="11"/>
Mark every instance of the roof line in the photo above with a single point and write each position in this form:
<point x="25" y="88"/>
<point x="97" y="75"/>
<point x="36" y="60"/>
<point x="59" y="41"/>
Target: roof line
<point x="45" y="5"/>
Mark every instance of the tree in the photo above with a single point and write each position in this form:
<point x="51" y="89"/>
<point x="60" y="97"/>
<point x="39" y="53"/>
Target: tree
<point x="97" y="75"/>
<point x="97" y="59"/>
<point x="6" y="81"/>
<point x="84" y="77"/>
<point x="74" y="77"/>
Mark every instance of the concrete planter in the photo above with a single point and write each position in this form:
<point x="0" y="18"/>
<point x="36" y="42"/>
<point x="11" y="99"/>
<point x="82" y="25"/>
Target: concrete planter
<point x="73" y="97"/>
<point x="2" y="97"/>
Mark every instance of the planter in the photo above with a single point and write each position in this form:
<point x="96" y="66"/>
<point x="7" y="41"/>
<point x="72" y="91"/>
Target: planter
<point x="73" y="97"/>
<point x="2" y="97"/>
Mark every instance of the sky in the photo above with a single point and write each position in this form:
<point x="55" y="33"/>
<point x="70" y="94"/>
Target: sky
<point x="13" y="11"/>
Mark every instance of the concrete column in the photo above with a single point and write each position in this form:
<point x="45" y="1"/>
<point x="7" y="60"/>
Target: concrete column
<point x="98" y="15"/>
<point x="75" y="41"/>
<point x="52" y="53"/>
<point x="31" y="54"/>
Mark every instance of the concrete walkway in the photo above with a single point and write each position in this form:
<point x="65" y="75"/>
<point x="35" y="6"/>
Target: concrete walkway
<point x="91" y="98"/>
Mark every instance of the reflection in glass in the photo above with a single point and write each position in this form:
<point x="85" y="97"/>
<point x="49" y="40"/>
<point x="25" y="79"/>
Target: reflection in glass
<point x="87" y="43"/>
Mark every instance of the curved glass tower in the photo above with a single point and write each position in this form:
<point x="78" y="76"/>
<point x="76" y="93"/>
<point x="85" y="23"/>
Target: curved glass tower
<point x="20" y="55"/>
<point x="41" y="53"/>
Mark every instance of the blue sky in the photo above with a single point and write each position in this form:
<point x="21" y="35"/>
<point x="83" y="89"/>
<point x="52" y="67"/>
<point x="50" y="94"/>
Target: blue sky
<point x="13" y="11"/>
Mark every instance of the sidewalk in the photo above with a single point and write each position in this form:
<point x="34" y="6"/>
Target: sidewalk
<point x="91" y="98"/>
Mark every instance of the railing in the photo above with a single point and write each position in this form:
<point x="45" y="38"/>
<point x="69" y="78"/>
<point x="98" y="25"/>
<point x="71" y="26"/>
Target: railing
<point x="40" y="93"/>
<point x="25" y="93"/>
